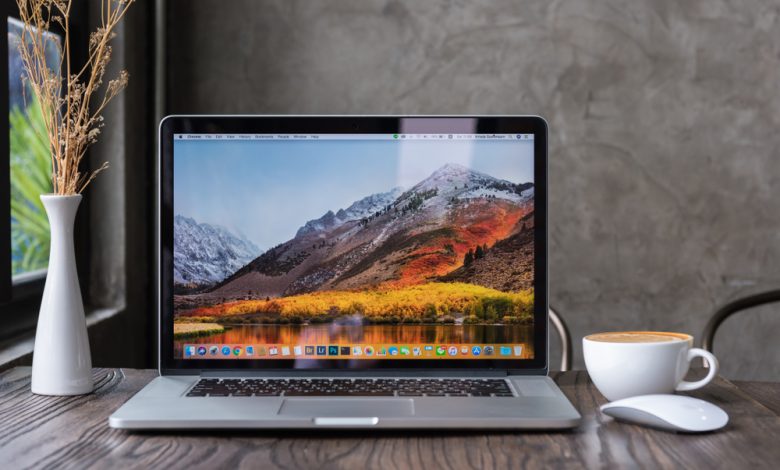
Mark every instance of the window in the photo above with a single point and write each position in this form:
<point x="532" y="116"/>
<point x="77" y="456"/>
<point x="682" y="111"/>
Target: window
<point x="24" y="176"/>
<point x="30" y="163"/>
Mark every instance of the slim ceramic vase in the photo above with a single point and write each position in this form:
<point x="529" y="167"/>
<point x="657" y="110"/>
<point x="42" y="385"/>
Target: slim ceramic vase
<point x="61" y="360"/>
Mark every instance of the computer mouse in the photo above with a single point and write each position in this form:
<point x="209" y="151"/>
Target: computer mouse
<point x="670" y="412"/>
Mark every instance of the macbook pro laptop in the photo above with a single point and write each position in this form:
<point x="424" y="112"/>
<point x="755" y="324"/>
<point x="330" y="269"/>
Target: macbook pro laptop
<point x="352" y="272"/>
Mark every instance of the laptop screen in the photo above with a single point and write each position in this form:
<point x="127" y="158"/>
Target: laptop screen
<point x="364" y="247"/>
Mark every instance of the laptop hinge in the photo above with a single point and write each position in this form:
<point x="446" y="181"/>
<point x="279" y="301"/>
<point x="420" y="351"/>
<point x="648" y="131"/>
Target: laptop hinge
<point x="353" y="373"/>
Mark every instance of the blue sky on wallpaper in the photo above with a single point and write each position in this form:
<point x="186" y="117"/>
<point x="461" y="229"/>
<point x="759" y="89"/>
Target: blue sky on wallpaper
<point x="266" y="190"/>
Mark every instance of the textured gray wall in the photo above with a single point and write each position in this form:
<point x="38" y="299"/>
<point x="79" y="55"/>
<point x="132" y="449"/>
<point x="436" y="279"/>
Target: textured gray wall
<point x="664" y="120"/>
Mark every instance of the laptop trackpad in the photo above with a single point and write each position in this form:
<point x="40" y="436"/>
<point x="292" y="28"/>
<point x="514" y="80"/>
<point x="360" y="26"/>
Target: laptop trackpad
<point x="353" y="407"/>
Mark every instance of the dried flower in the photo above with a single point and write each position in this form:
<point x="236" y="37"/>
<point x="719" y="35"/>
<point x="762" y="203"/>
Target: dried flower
<point x="72" y="121"/>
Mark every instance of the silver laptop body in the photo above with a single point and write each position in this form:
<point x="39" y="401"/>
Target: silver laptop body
<point x="418" y="301"/>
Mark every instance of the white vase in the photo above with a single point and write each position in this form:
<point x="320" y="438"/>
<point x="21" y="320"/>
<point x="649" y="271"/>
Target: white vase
<point x="61" y="360"/>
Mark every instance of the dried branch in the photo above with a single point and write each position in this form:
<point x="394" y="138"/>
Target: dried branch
<point x="71" y="121"/>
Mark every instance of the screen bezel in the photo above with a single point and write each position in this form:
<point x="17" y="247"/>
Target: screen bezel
<point x="171" y="125"/>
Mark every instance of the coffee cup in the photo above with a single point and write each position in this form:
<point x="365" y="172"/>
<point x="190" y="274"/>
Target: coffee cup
<point x="631" y="363"/>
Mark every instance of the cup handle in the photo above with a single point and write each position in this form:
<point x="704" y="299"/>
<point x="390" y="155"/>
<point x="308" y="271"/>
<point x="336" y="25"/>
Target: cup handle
<point x="713" y="370"/>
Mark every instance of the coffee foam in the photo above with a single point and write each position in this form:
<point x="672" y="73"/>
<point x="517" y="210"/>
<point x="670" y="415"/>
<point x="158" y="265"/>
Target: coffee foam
<point x="637" y="337"/>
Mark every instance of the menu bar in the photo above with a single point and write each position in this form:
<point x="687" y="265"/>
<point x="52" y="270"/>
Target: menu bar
<point x="397" y="137"/>
<point x="361" y="351"/>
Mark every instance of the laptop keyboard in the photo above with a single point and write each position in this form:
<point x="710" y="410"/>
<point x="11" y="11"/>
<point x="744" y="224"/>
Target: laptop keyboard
<point x="351" y="387"/>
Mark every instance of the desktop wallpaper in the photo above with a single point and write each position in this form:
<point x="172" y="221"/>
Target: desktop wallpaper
<point x="377" y="248"/>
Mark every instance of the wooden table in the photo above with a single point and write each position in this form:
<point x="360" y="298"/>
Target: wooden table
<point x="45" y="432"/>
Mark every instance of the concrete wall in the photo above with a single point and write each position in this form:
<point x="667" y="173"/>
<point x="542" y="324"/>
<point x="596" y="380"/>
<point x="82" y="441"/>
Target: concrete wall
<point x="664" y="119"/>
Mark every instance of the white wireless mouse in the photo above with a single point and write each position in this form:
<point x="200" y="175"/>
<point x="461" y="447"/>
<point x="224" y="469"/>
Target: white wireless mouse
<point x="670" y="412"/>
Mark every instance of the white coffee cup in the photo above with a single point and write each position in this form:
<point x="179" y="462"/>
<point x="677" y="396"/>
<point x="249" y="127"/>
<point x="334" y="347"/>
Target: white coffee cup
<point x="631" y="363"/>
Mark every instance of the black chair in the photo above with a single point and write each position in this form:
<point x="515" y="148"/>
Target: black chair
<point x="563" y="333"/>
<point x="720" y="315"/>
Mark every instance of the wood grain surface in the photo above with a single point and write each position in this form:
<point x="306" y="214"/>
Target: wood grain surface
<point x="72" y="432"/>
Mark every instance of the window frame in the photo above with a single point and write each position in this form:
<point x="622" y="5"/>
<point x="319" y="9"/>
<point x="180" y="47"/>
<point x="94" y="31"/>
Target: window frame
<point x="20" y="300"/>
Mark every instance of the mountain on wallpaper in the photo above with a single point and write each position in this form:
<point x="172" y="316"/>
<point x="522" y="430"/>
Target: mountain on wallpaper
<point x="455" y="225"/>
<point x="205" y="254"/>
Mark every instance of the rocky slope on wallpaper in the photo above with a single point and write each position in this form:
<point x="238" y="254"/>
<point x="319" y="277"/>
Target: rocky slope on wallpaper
<point x="205" y="254"/>
<point x="401" y="238"/>
<point x="363" y="208"/>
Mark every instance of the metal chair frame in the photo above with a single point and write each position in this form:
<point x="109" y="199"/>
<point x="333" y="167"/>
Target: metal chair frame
<point x="563" y="333"/>
<point x="724" y="312"/>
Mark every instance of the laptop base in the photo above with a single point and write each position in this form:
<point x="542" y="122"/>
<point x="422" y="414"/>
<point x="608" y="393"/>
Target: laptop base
<point x="163" y="404"/>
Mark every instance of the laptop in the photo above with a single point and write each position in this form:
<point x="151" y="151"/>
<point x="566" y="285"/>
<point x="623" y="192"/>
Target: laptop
<point x="352" y="272"/>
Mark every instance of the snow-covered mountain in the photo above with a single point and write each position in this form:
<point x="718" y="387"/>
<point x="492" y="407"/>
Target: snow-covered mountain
<point x="397" y="237"/>
<point x="356" y="211"/>
<point x="205" y="254"/>
<point x="463" y="183"/>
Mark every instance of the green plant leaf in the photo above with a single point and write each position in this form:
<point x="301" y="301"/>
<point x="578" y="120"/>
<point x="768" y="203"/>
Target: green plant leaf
<point x="30" y="177"/>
